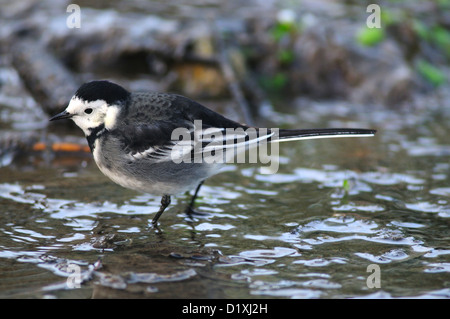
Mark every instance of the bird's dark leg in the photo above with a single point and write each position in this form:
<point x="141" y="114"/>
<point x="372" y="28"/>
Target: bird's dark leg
<point x="190" y="209"/>
<point x="195" y="194"/>
<point x="165" y="201"/>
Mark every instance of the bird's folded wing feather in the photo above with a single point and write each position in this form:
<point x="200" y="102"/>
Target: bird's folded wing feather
<point x="161" y="141"/>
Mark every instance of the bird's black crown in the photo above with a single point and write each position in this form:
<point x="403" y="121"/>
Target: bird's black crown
<point x="102" y="90"/>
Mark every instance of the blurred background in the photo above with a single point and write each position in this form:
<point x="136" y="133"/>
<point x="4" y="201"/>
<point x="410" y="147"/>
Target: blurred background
<point x="309" y="231"/>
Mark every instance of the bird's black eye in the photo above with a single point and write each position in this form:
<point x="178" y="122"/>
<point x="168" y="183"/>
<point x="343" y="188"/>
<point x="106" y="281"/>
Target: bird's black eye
<point x="88" y="111"/>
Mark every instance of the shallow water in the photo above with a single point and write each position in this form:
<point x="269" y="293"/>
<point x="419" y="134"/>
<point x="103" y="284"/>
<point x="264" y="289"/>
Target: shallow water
<point x="310" y="231"/>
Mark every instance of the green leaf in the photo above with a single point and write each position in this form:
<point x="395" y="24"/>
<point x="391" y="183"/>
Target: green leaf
<point x="274" y="83"/>
<point x="421" y="29"/>
<point x="346" y="186"/>
<point x="286" y="56"/>
<point x="441" y="37"/>
<point x="279" y="80"/>
<point x="370" y="37"/>
<point x="387" y="17"/>
<point x="431" y="73"/>
<point x="281" y="29"/>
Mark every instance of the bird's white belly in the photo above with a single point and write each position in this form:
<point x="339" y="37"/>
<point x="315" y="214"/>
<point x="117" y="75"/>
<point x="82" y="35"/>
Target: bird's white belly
<point x="116" y="176"/>
<point x="147" y="185"/>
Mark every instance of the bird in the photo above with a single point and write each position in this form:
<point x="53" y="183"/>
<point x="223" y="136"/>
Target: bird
<point x="131" y="137"/>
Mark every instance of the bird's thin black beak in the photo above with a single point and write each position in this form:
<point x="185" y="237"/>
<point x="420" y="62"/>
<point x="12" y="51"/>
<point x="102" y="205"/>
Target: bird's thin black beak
<point x="61" y="116"/>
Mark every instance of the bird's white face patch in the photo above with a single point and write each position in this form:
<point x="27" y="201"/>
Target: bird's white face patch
<point x="87" y="115"/>
<point x="111" y="116"/>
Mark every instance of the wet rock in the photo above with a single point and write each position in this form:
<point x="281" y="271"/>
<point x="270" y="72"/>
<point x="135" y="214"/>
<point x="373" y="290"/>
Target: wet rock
<point x="151" y="45"/>
<point x="151" y="278"/>
<point x="111" y="281"/>
<point x="105" y="241"/>
<point x="50" y="83"/>
<point x="195" y="79"/>
<point x="312" y="52"/>
<point x="14" y="143"/>
<point x="324" y="60"/>
<point x="33" y="146"/>
<point x="108" y="38"/>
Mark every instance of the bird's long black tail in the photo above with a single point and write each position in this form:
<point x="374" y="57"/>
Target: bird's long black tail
<point x="304" y="134"/>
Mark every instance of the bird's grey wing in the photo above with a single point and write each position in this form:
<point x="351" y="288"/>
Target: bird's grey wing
<point x="158" y="141"/>
<point x="168" y="127"/>
<point x="217" y="132"/>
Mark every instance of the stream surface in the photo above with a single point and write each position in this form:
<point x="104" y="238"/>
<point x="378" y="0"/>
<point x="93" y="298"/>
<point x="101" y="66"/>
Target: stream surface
<point x="315" y="229"/>
<point x="342" y="218"/>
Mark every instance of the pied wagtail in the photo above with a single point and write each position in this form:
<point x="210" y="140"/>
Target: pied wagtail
<point x="130" y="136"/>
